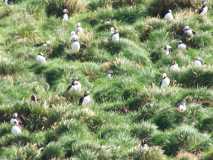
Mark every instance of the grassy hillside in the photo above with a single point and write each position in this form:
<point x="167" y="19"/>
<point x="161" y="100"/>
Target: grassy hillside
<point x="130" y="109"/>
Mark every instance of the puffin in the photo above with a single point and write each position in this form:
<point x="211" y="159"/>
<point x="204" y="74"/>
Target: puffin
<point x="75" y="44"/>
<point x="188" y="31"/>
<point x="174" y="66"/>
<point x="41" y="59"/>
<point x="73" y="35"/>
<point x="198" y="62"/>
<point x="203" y="10"/>
<point x="86" y="99"/>
<point x="165" y="81"/>
<point x="75" y="86"/>
<point x="110" y="74"/>
<point x="7" y="2"/>
<point x="181" y="45"/>
<point x="34" y="98"/>
<point x="79" y="29"/>
<point x="65" y="16"/>
<point x="167" y="49"/>
<point x="168" y="15"/>
<point x="144" y="147"/>
<point x="115" y="36"/>
<point x="181" y="106"/>
<point x="14" y="119"/>
<point x="16" y="129"/>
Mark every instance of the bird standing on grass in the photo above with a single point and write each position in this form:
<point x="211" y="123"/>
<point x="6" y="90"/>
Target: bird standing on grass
<point x="188" y="31"/>
<point x="203" y="10"/>
<point x="75" y="44"/>
<point x="16" y="129"/>
<point x="7" y="2"/>
<point x="198" y="62"/>
<point x="115" y="36"/>
<point x="109" y="74"/>
<point x="65" y="16"/>
<point x="79" y="29"/>
<point x="75" y="86"/>
<point x="181" y="106"/>
<point x="167" y="50"/>
<point x="165" y="81"/>
<point x="181" y="45"/>
<point x="86" y="99"/>
<point x="41" y="59"/>
<point x="16" y="122"/>
<point x="169" y="16"/>
<point x="174" y="67"/>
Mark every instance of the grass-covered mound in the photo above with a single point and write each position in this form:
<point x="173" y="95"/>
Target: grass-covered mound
<point x="130" y="109"/>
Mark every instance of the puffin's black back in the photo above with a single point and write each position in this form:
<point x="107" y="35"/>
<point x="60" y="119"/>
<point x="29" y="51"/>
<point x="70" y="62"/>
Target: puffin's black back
<point x="81" y="100"/>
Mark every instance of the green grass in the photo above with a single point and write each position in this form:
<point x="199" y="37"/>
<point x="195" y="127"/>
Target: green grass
<point x="130" y="108"/>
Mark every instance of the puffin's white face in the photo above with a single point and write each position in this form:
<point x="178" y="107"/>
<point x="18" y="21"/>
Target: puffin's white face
<point x="112" y="29"/>
<point x="168" y="47"/>
<point x="164" y="75"/>
<point x="78" y="24"/>
<point x="170" y="11"/>
<point x="180" y="42"/>
<point x="72" y="33"/>
<point x="76" y="83"/>
<point x="199" y="59"/>
<point x="65" y="11"/>
<point x="15" y="115"/>
<point x="186" y="28"/>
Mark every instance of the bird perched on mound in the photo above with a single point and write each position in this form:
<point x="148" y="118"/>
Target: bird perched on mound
<point x="181" y="106"/>
<point x="16" y="122"/>
<point x="41" y="59"/>
<point x="167" y="49"/>
<point x="168" y="15"/>
<point x="34" y="98"/>
<point x="79" y="29"/>
<point x="187" y="31"/>
<point x="65" y="16"/>
<point x="174" y="66"/>
<point x="109" y="74"/>
<point x="16" y="129"/>
<point x="75" y="44"/>
<point x="73" y="36"/>
<point x="165" y="81"/>
<point x="181" y="45"/>
<point x="115" y="36"/>
<point x="198" y="62"/>
<point x="75" y="86"/>
<point x="7" y="2"/>
<point x="86" y="99"/>
<point x="203" y="10"/>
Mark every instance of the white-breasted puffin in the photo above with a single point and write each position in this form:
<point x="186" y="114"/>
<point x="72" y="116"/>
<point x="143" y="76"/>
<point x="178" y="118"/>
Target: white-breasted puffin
<point x="75" y="86"/>
<point x="165" y="81"/>
<point x="86" y="99"/>
<point x="65" y="16"/>
<point x="115" y="36"/>
<point x="168" y="15"/>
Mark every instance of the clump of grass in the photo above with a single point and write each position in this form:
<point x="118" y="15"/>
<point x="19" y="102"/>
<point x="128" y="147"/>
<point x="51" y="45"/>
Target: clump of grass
<point x="154" y="153"/>
<point x="186" y="138"/>
<point x="55" y="7"/>
<point x="8" y="68"/>
<point x="194" y="77"/>
<point x="53" y="150"/>
<point x="186" y="155"/>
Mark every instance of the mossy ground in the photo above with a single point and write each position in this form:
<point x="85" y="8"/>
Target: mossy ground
<point x="128" y="109"/>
